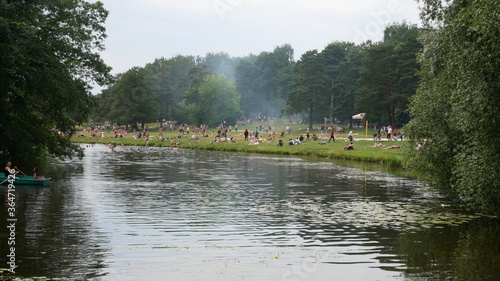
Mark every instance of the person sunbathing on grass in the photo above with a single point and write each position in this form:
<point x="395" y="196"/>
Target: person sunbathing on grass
<point x="393" y="147"/>
<point x="253" y="142"/>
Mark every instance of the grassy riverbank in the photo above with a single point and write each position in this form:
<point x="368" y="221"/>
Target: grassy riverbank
<point x="364" y="146"/>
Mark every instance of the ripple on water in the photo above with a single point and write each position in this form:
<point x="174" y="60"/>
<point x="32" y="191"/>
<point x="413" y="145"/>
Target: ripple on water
<point x="192" y="215"/>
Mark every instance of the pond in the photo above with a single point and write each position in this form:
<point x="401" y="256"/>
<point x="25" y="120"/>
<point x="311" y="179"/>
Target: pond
<point x="175" y="214"/>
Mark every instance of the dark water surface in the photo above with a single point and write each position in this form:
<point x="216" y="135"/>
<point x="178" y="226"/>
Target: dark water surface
<point x="174" y="214"/>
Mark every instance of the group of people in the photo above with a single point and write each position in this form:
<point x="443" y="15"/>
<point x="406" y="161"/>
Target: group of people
<point x="253" y="136"/>
<point x="9" y="170"/>
<point x="294" y="142"/>
<point x="391" y="133"/>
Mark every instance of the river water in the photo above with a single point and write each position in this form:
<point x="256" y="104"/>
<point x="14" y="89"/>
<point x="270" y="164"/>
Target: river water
<point x="175" y="214"/>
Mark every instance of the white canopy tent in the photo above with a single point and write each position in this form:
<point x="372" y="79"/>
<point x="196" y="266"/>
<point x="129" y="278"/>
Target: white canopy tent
<point x="359" y="116"/>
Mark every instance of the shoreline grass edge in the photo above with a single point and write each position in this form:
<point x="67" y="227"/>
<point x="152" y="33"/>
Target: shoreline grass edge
<point x="364" y="151"/>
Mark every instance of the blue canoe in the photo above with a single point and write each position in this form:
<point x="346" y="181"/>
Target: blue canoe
<point x="26" y="180"/>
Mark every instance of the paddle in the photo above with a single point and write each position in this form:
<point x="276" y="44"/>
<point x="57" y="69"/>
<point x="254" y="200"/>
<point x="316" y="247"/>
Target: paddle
<point x="19" y="171"/>
<point x="6" y="180"/>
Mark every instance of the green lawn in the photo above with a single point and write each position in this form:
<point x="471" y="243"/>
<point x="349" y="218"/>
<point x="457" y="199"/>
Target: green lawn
<point x="364" y="150"/>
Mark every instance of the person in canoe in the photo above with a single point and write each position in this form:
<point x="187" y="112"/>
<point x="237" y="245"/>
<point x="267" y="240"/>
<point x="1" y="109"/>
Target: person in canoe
<point x="38" y="175"/>
<point x="8" y="169"/>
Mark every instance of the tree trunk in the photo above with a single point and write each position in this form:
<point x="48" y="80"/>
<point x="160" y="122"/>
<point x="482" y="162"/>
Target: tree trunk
<point x="392" y="119"/>
<point x="310" y="116"/>
<point x="331" y="106"/>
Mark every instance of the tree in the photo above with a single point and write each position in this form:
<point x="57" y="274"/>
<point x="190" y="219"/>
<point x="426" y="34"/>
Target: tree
<point x="264" y="80"/>
<point x="247" y="83"/>
<point x="49" y="58"/>
<point x="379" y="79"/>
<point x="455" y="110"/>
<point x="213" y="100"/>
<point x="388" y="77"/>
<point x="218" y="63"/>
<point x="170" y="80"/>
<point x="338" y="58"/>
<point x="347" y="83"/>
<point x="310" y="85"/>
<point x="192" y="96"/>
<point x="134" y="99"/>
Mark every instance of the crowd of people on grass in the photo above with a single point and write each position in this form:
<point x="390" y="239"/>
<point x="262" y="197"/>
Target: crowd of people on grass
<point x="255" y="135"/>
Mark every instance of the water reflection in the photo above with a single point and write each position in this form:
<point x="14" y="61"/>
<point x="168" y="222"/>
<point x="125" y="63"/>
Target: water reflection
<point x="55" y="233"/>
<point x="150" y="214"/>
<point x="468" y="252"/>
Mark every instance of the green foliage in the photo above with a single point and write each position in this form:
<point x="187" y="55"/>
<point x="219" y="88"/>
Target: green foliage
<point x="170" y="81"/>
<point x="310" y="86"/>
<point x="218" y="63"/>
<point x="388" y="78"/>
<point x="133" y="98"/>
<point x="212" y="100"/>
<point x="49" y="55"/>
<point x="271" y="82"/>
<point x="247" y="83"/>
<point x="347" y="84"/>
<point x="335" y="56"/>
<point x="265" y="80"/>
<point x="455" y="111"/>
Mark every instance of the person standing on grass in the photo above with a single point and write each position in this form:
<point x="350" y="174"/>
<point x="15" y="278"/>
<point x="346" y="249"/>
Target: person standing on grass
<point x="246" y="134"/>
<point x="332" y="135"/>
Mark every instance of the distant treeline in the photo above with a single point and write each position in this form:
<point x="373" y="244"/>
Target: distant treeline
<point x="376" y="78"/>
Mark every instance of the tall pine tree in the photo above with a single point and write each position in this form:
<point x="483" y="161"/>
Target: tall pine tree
<point x="310" y="86"/>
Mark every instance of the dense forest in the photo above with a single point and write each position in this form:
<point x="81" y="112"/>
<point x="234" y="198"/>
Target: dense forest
<point x="343" y="79"/>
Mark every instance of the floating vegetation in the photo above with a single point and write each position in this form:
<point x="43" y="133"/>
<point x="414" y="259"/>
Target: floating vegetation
<point x="363" y="213"/>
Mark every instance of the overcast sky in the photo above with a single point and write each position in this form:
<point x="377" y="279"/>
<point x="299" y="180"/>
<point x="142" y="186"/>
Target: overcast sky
<point x="139" y="31"/>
